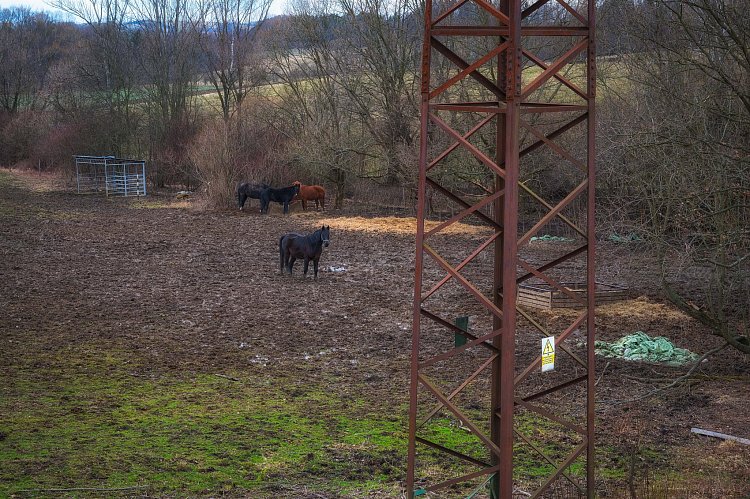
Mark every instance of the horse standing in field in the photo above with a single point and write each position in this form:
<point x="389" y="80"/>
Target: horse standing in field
<point x="311" y="193"/>
<point x="247" y="190"/>
<point x="310" y="247"/>
<point x="283" y="195"/>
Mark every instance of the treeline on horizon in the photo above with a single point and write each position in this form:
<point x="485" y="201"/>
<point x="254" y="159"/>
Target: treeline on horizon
<point x="146" y="78"/>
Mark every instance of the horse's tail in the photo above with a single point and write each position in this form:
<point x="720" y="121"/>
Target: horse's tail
<point x="265" y="200"/>
<point x="322" y="194"/>
<point x="281" y="254"/>
<point x="239" y="195"/>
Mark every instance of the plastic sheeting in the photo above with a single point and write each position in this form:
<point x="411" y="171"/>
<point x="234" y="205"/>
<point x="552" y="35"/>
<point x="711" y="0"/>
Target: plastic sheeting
<point x="641" y="347"/>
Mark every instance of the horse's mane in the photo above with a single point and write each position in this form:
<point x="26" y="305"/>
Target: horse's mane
<point x="316" y="232"/>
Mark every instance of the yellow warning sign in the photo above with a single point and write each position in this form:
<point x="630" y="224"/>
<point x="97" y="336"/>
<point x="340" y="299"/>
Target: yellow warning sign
<point x="548" y="354"/>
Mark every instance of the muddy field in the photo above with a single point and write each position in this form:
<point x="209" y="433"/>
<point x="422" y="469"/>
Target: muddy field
<point x="144" y="341"/>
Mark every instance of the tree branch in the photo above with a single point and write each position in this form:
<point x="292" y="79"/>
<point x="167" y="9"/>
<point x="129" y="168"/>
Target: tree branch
<point x="673" y="383"/>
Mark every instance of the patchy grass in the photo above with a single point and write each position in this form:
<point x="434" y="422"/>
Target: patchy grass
<point x="83" y="416"/>
<point x="7" y="179"/>
<point x="85" y="420"/>
<point x="530" y="468"/>
<point x="152" y="203"/>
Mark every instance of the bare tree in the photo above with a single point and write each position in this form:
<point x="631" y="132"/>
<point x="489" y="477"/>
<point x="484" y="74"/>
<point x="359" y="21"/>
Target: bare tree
<point x="31" y="46"/>
<point x="681" y="152"/>
<point x="27" y="51"/>
<point x="228" y="34"/>
<point x="381" y="80"/>
<point x="327" y="139"/>
<point x="168" y="52"/>
<point x="106" y="69"/>
<point x="168" y="49"/>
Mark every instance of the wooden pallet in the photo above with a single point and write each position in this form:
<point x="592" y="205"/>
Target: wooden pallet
<point x="544" y="296"/>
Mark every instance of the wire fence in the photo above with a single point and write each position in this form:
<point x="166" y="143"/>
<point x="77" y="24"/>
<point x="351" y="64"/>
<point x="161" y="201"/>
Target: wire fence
<point x="113" y="176"/>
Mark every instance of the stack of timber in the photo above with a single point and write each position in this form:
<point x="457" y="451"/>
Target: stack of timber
<point x="547" y="297"/>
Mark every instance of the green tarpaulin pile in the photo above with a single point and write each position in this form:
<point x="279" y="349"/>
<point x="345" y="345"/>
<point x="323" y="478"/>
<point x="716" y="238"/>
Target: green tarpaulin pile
<point x="641" y="347"/>
<point x="550" y="239"/>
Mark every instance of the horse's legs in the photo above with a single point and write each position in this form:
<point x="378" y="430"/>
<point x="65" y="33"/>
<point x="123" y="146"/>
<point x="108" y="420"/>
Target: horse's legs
<point x="291" y="264"/>
<point x="286" y="207"/>
<point x="315" y="267"/>
<point x="241" y="198"/>
<point x="304" y="205"/>
<point x="307" y="265"/>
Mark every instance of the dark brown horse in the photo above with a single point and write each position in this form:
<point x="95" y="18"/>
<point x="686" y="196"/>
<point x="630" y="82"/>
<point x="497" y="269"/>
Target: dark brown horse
<point x="311" y="193"/>
<point x="249" y="190"/>
<point x="283" y="195"/>
<point x="310" y="247"/>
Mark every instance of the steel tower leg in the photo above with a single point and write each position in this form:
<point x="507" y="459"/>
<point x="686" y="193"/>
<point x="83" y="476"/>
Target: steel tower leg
<point x="534" y="101"/>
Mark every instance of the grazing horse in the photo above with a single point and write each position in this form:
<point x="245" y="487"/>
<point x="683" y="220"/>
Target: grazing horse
<point x="311" y="193"/>
<point x="283" y="195"/>
<point x="248" y="190"/>
<point x="309" y="247"/>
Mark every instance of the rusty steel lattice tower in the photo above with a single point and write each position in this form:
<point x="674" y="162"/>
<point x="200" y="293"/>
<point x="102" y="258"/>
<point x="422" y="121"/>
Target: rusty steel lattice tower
<point x="514" y="85"/>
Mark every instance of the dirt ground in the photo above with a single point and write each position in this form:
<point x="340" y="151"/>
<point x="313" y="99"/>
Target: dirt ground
<point x="191" y="291"/>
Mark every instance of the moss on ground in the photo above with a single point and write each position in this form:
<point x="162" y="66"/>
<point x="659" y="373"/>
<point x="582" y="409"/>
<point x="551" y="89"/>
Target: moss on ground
<point x="86" y="421"/>
<point x="84" y="417"/>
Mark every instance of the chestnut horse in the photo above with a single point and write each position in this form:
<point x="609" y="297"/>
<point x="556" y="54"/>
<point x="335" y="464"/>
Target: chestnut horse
<point x="311" y="193"/>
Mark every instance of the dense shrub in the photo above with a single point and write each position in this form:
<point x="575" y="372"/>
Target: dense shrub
<point x="18" y="135"/>
<point x="243" y="148"/>
<point x="55" y="149"/>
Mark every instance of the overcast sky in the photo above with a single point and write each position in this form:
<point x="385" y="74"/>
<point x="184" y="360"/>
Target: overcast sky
<point x="277" y="7"/>
<point x="32" y="4"/>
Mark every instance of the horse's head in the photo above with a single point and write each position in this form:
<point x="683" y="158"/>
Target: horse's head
<point x="296" y="187"/>
<point x="325" y="234"/>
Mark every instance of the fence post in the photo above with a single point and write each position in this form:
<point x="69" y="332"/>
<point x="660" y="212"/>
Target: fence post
<point x="463" y="324"/>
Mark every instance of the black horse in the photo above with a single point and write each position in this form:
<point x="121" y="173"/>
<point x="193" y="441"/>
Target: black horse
<point x="309" y="247"/>
<point x="283" y="195"/>
<point x="248" y="190"/>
